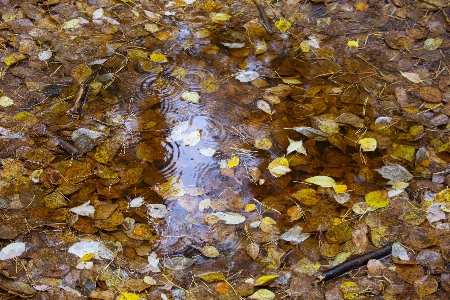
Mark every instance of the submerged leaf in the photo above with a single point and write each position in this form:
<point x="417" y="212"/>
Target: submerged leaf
<point x="230" y="218"/>
<point x="295" y="235"/>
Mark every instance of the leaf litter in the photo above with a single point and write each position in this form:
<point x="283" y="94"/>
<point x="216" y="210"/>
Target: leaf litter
<point x="160" y="144"/>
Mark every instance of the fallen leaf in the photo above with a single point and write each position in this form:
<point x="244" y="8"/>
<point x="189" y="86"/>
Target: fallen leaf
<point x="279" y="167"/>
<point x="230" y="218"/>
<point x="6" y="101"/>
<point x="253" y="250"/>
<point x="263" y="144"/>
<point x="157" y="211"/>
<point x="262" y="294"/>
<point x="432" y="44"/>
<point x="295" y="235"/>
<point x="233" y="162"/>
<point x="179" y="263"/>
<point x="377" y="199"/>
<point x="296" y="146"/>
<point x="350" y="290"/>
<point x="192" y="97"/>
<point x="158" y="57"/>
<point x="152" y="265"/>
<point x="283" y="25"/>
<point x="84" y="210"/>
<point x="136" y="202"/>
<point x="264" y="106"/>
<point x="413" y="77"/>
<point x="209" y="251"/>
<point x="395" y="173"/>
<point x="192" y="138"/>
<point x="82" y="248"/>
<point x="247" y="76"/>
<point x="399" y="251"/>
<point x="177" y="132"/>
<point x="219" y="17"/>
<point x="265" y="279"/>
<point x="128" y="296"/>
<point x="353" y="44"/>
<point x="323" y="181"/>
<point x="368" y="144"/>
<point x="12" y="250"/>
<point x="207" y="151"/>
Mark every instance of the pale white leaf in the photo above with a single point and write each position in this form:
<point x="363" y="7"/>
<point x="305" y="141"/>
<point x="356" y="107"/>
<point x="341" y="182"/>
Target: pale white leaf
<point x="234" y="45"/>
<point x="207" y="151"/>
<point x="230" y="218"/>
<point x="84" y="247"/>
<point x="264" y="106"/>
<point x="204" y="204"/>
<point x="262" y="294"/>
<point x="413" y="77"/>
<point x="294" y="235"/>
<point x="84" y="210"/>
<point x="209" y="251"/>
<point x="98" y="13"/>
<point x="70" y="24"/>
<point x="137" y="202"/>
<point x="383" y="120"/>
<point x="192" y="97"/>
<point x="246" y="76"/>
<point x="152" y="265"/>
<point x="341" y="198"/>
<point x="110" y="20"/>
<point x="44" y="55"/>
<point x="12" y="250"/>
<point x="314" y="42"/>
<point x="296" y="146"/>
<point x="192" y="138"/>
<point x="6" y="101"/>
<point x="395" y="173"/>
<point x="177" y="132"/>
<point x="157" y="211"/>
<point x="84" y="131"/>
<point x="399" y="251"/>
<point x="434" y="213"/>
<point x="279" y="171"/>
<point x="152" y="16"/>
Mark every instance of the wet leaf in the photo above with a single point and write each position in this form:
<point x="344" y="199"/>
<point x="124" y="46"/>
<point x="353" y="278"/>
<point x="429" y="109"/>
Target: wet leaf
<point x="425" y="286"/>
<point x="283" y="25"/>
<point x="432" y="44"/>
<point x="219" y="17"/>
<point x="377" y="199"/>
<point x="137" y="202"/>
<point x="128" y="296"/>
<point x="362" y="208"/>
<point x="353" y="44"/>
<point x="253" y="250"/>
<point x="81" y="73"/>
<point x="152" y="265"/>
<point x="192" y="97"/>
<point x="279" y="167"/>
<point x="157" y="211"/>
<point x="222" y="287"/>
<point x="311" y="133"/>
<point x="403" y="151"/>
<point x="209" y="251"/>
<point x="12" y="250"/>
<point x="413" y="77"/>
<point x="6" y="101"/>
<point x="264" y="106"/>
<point x="70" y="24"/>
<point x="192" y="138"/>
<point x="306" y="196"/>
<point x="262" y="294"/>
<point x="179" y="263"/>
<point x="82" y="248"/>
<point x="230" y="218"/>
<point x="233" y="162"/>
<point x="13" y="58"/>
<point x="263" y="144"/>
<point x="361" y="6"/>
<point x="207" y="151"/>
<point x="296" y="146"/>
<point x="213" y="276"/>
<point x="84" y="210"/>
<point x="158" y="58"/>
<point x="323" y="181"/>
<point x="265" y="279"/>
<point x="247" y="76"/>
<point x="368" y="144"/>
<point x="350" y="290"/>
<point x="295" y="235"/>
<point x="395" y="173"/>
<point x="399" y="251"/>
<point x="340" y="258"/>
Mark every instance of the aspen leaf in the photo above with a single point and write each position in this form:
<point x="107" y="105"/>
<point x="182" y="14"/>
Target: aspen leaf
<point x="265" y="279"/>
<point x="350" y="290"/>
<point x="219" y="17"/>
<point x="395" y="173"/>
<point x="44" y="55"/>
<point x="353" y="44"/>
<point x="158" y="58"/>
<point x="305" y="46"/>
<point x="192" y="138"/>
<point x="128" y="296"/>
<point x="207" y="151"/>
<point x="12" y="250"/>
<point x="177" y="132"/>
<point x="192" y="97"/>
<point x="413" y="77"/>
<point x="340" y="188"/>
<point x="209" y="251"/>
<point x="246" y="76"/>
<point x="81" y="73"/>
<point x="250" y="207"/>
<point x="323" y="181"/>
<point x="136" y="202"/>
<point x="263" y="144"/>
<point x="291" y="80"/>
<point x="137" y="54"/>
<point x="432" y="44"/>
<point x="13" y="58"/>
<point x="283" y="25"/>
<point x="377" y="199"/>
<point x="361" y="6"/>
<point x="399" y="251"/>
<point x="279" y="167"/>
<point x="6" y="101"/>
<point x="361" y="208"/>
<point x="253" y="250"/>
<point x="230" y="218"/>
<point x="296" y="146"/>
<point x="264" y="106"/>
<point x="84" y="210"/>
<point x="179" y="263"/>
<point x="233" y="162"/>
<point x="262" y="294"/>
<point x="294" y="235"/>
<point x="71" y="23"/>
<point x="222" y="287"/>
<point x="213" y="276"/>
<point x="368" y="144"/>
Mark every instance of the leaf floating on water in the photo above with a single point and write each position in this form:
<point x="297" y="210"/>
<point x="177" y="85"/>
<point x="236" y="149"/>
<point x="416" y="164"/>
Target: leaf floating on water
<point x="262" y="294"/>
<point x="84" y="210"/>
<point x="264" y="106"/>
<point x="247" y="76"/>
<point x="311" y="133"/>
<point x="171" y="189"/>
<point x="179" y="263"/>
<point x="192" y="138"/>
<point x="204" y="204"/>
<point x="279" y="167"/>
<point x="399" y="251"/>
<point x="233" y="162"/>
<point x="177" y="132"/>
<point x="230" y="218"/>
<point x="413" y="77"/>
<point x="283" y="25"/>
<point x="323" y="181"/>
<point x="368" y="144"/>
<point x="207" y="151"/>
<point x="158" y="57"/>
<point x="6" y="101"/>
<point x="377" y="199"/>
<point x="263" y="144"/>
<point x="12" y="250"/>
<point x="192" y="97"/>
<point x="295" y="235"/>
<point x="296" y="146"/>
<point x="395" y="173"/>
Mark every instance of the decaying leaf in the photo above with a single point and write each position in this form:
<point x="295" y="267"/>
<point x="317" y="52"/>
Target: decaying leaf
<point x="377" y="199"/>
<point x="264" y="106"/>
<point x="246" y="76"/>
<point x="152" y="265"/>
<point x="179" y="263"/>
<point x="262" y="294"/>
<point x="253" y="250"/>
<point x="192" y="138"/>
<point x="399" y="251"/>
<point x="413" y="77"/>
<point x="294" y="235"/>
<point x="395" y="173"/>
<point x="209" y="251"/>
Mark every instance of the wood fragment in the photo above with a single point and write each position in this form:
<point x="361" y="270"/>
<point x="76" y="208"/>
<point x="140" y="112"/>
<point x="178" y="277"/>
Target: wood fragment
<point x="353" y="264"/>
<point x="263" y="16"/>
<point x="80" y="99"/>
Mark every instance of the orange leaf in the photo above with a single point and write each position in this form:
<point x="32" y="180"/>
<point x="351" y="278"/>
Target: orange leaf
<point x="361" y="6"/>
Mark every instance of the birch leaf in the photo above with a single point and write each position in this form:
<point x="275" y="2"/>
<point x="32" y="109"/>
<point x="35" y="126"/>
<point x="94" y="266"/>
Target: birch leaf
<point x="207" y="151"/>
<point x="230" y="218"/>
<point x="177" y="132"/>
<point x="296" y="146"/>
<point x="294" y="235"/>
<point x="84" y="210"/>
<point x="137" y="202"/>
<point x="323" y="181"/>
<point x="247" y="76"/>
<point x="413" y="77"/>
<point x="399" y="251"/>
<point x="395" y="173"/>
<point x="311" y="133"/>
<point x="192" y="138"/>
<point x="264" y="106"/>
<point x="368" y="144"/>
<point x="12" y="250"/>
<point x="279" y="167"/>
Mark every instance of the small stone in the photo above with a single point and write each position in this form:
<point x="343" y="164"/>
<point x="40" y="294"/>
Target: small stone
<point x="430" y="94"/>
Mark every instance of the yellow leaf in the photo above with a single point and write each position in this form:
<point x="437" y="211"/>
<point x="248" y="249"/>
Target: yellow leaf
<point x="279" y="167"/>
<point x="305" y="46"/>
<point x="306" y="196"/>
<point x="291" y="80"/>
<point x="128" y="296"/>
<point x="250" y="207"/>
<point x="263" y="144"/>
<point x="323" y="181"/>
<point x="400" y="185"/>
<point x="377" y="199"/>
<point x="268" y="221"/>
<point x="209" y="86"/>
<point x="219" y="17"/>
<point x="158" y="57"/>
<point x="340" y="188"/>
<point x="404" y="151"/>
<point x="265" y="279"/>
<point x="283" y="25"/>
<point x="81" y="73"/>
<point x="101" y="156"/>
<point x="233" y="162"/>
<point x="71" y="23"/>
<point x="354" y="44"/>
<point x="350" y="290"/>
<point x="213" y="276"/>
<point x="137" y="54"/>
<point x="443" y="196"/>
<point x="361" y="6"/>
<point x="368" y="144"/>
<point x="13" y="58"/>
<point x="87" y="256"/>
<point x="6" y="101"/>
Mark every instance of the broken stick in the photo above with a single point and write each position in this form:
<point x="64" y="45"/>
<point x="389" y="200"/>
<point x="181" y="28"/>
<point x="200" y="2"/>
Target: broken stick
<point x="263" y="16"/>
